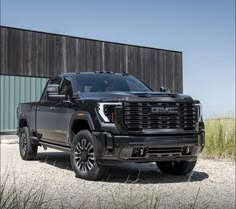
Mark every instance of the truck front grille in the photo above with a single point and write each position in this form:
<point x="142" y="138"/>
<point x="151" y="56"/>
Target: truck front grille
<point x="160" y="115"/>
<point x="164" y="151"/>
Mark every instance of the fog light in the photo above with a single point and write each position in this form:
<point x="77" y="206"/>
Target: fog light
<point x="186" y="150"/>
<point x="141" y="152"/>
<point x="138" y="152"/>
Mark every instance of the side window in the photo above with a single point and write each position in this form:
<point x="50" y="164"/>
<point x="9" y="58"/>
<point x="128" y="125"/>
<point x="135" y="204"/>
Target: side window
<point x="53" y="81"/>
<point x="66" y="88"/>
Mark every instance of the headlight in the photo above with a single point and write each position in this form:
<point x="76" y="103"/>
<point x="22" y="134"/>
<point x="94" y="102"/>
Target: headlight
<point x="199" y="109"/>
<point x="106" y="111"/>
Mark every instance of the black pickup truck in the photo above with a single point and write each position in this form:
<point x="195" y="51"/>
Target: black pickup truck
<point x="103" y="118"/>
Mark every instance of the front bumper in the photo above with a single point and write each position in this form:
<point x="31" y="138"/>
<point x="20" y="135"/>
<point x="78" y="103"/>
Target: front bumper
<point x="111" y="149"/>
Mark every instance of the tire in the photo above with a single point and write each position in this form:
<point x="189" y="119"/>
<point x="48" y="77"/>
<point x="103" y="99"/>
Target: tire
<point x="83" y="159"/>
<point x="27" y="150"/>
<point x="176" y="167"/>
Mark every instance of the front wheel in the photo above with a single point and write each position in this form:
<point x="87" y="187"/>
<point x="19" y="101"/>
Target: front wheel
<point x="83" y="159"/>
<point x="176" y="167"/>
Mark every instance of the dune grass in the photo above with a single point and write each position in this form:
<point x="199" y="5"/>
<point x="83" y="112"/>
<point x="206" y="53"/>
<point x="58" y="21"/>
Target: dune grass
<point x="22" y="197"/>
<point x="13" y="196"/>
<point x="220" y="138"/>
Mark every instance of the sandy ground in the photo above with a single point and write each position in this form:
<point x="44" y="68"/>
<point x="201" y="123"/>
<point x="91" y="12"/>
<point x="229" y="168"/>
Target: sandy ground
<point x="213" y="182"/>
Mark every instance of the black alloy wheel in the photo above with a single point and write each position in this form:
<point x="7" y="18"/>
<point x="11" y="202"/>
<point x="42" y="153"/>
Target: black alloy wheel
<point x="83" y="157"/>
<point x="23" y="144"/>
<point x="28" y="151"/>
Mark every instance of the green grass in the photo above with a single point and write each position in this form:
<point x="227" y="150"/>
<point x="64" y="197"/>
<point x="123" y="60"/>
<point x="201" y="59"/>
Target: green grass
<point x="220" y="138"/>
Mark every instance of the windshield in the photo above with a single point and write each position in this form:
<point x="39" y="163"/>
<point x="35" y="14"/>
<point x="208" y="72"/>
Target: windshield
<point x="104" y="82"/>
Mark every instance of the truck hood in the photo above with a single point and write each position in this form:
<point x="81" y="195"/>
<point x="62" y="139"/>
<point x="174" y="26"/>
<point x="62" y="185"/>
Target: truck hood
<point x="135" y="96"/>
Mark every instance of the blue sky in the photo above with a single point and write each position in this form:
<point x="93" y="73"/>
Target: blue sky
<point x="204" y="30"/>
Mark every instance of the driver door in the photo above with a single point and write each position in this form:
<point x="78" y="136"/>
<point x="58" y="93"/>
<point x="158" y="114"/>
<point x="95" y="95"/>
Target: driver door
<point x="62" y="113"/>
<point x="44" y="120"/>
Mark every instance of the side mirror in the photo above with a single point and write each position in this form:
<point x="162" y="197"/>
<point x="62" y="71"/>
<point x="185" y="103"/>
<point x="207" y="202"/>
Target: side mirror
<point x="164" y="89"/>
<point x="53" y="93"/>
<point x="53" y="89"/>
<point x="67" y="103"/>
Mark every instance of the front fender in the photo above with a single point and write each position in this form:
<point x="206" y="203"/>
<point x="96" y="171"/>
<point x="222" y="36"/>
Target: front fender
<point x="81" y="115"/>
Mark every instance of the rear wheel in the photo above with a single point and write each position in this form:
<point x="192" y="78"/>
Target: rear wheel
<point x="28" y="151"/>
<point x="83" y="159"/>
<point x="176" y="167"/>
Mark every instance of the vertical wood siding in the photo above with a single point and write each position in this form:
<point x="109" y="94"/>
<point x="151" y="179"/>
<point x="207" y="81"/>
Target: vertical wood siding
<point x="28" y="53"/>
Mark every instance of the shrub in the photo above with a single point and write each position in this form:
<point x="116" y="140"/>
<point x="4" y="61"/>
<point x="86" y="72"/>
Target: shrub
<point x="220" y="138"/>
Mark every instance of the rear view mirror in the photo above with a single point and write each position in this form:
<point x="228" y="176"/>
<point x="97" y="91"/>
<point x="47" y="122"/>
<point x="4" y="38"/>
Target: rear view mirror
<point x="53" y="93"/>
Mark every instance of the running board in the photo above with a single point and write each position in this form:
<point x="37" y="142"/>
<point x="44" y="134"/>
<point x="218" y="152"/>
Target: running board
<point x="55" y="146"/>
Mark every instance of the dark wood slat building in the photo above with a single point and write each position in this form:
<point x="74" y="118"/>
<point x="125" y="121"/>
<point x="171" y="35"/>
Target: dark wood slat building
<point x="28" y="58"/>
<point x="31" y="53"/>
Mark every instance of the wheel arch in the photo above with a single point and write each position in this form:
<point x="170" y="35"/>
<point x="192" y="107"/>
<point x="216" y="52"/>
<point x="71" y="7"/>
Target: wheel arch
<point x="22" y="122"/>
<point x="80" y="121"/>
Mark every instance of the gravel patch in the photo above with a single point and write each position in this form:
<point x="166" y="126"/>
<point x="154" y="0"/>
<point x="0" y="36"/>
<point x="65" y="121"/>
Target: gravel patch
<point x="213" y="181"/>
<point x="9" y="139"/>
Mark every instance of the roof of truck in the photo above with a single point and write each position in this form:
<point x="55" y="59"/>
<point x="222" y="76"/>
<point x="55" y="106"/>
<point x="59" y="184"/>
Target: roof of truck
<point x="95" y="72"/>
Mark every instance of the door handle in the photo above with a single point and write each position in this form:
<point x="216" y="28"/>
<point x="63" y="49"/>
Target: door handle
<point x="52" y="108"/>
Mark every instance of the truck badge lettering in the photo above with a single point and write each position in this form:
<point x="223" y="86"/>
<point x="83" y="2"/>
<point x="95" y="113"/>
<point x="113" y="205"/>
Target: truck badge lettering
<point x="164" y="110"/>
